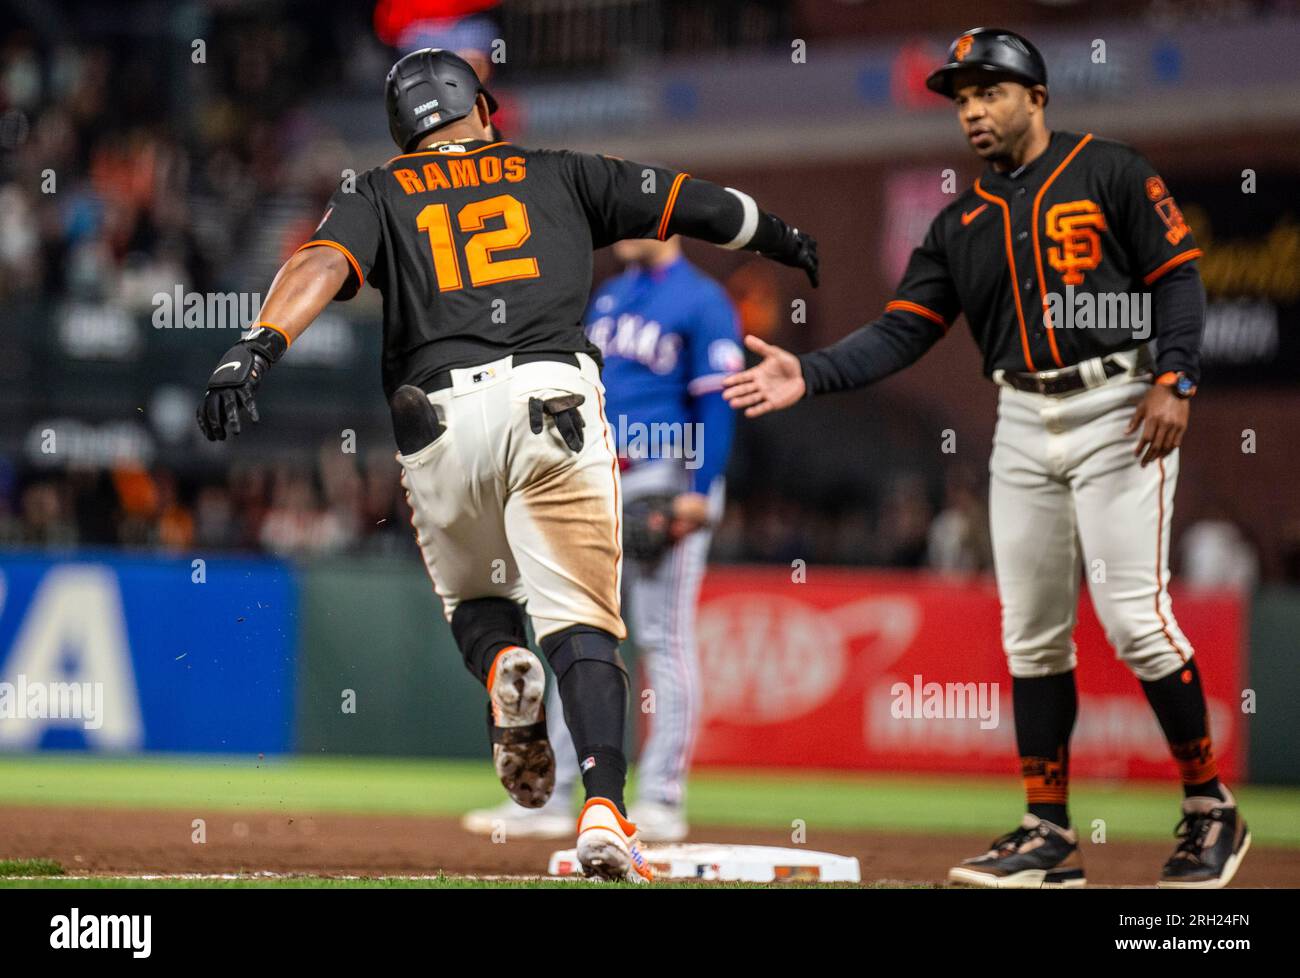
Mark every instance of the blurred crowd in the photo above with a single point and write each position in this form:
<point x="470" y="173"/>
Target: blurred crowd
<point x="345" y="504"/>
<point x="124" y="172"/>
<point x="341" y="505"/>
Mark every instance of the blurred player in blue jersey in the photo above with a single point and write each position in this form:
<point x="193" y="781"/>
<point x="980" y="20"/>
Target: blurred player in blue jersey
<point x="668" y="335"/>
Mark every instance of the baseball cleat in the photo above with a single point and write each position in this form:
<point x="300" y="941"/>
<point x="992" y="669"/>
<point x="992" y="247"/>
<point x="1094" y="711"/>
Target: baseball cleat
<point x="1212" y="841"/>
<point x="657" y="822"/>
<point x="521" y="752"/>
<point x="508" y="820"/>
<point x="1037" y="855"/>
<point x="608" y="848"/>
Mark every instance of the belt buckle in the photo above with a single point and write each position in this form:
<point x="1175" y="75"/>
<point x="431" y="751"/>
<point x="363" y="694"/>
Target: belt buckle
<point x="1045" y="377"/>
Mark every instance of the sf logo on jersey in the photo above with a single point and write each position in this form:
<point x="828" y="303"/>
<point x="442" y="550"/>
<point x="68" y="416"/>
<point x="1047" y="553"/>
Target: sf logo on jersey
<point x="1075" y="227"/>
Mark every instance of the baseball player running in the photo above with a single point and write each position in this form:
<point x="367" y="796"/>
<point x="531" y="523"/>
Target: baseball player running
<point x="668" y="335"/>
<point x="481" y="250"/>
<point x="1085" y="455"/>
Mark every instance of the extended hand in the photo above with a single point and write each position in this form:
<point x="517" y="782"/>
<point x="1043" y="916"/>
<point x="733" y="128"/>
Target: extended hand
<point x="230" y="388"/>
<point x="773" y="383"/>
<point x="1162" y="416"/>
<point x="796" y="249"/>
<point x="803" y="254"/>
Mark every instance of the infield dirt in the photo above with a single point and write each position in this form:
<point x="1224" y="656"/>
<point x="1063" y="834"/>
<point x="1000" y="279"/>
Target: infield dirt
<point x="102" y="841"/>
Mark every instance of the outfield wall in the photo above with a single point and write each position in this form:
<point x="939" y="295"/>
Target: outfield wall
<point x="353" y="657"/>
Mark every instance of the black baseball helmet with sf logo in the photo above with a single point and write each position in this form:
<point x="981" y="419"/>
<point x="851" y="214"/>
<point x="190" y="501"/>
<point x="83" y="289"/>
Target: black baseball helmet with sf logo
<point x="993" y="50"/>
<point x="428" y="89"/>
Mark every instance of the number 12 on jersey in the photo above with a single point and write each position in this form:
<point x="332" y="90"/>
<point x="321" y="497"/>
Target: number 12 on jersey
<point x="435" y="221"/>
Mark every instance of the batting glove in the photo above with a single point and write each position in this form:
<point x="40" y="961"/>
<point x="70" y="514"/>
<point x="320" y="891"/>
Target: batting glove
<point x="235" y="380"/>
<point x="790" y="247"/>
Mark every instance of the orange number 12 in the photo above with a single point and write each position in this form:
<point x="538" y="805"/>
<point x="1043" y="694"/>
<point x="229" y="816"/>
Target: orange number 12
<point x="435" y="221"/>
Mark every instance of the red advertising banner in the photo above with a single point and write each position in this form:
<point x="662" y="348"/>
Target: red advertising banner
<point x="893" y="672"/>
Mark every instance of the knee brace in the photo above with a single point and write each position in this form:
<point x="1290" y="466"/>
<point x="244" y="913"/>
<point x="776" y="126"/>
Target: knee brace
<point x="578" y="643"/>
<point x="483" y="627"/>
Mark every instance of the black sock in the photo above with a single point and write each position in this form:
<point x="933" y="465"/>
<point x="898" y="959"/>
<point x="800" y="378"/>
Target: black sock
<point x="594" y="695"/>
<point x="1045" y="708"/>
<point x="1179" y="704"/>
<point x="593" y="689"/>
<point x="604" y="773"/>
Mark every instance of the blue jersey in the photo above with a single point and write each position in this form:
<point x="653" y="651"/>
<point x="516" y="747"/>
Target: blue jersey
<point x="668" y="336"/>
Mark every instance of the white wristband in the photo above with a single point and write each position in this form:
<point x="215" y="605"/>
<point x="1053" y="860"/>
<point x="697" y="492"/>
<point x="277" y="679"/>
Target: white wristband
<point x="748" y="225"/>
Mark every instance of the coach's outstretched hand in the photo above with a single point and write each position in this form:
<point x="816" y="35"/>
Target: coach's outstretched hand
<point x="773" y="383"/>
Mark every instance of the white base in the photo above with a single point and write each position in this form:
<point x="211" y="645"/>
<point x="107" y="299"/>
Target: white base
<point x="748" y="864"/>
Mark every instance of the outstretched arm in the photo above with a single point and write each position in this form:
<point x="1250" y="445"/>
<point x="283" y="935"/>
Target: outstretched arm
<point x="304" y="286"/>
<point x="731" y="219"/>
<point x="926" y="303"/>
<point x="623" y="199"/>
<point x="868" y="354"/>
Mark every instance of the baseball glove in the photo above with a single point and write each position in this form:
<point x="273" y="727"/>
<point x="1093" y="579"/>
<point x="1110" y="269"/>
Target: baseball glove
<point x="648" y="526"/>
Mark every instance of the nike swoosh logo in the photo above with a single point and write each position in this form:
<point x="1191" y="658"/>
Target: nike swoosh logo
<point x="971" y="215"/>
<point x="232" y="363"/>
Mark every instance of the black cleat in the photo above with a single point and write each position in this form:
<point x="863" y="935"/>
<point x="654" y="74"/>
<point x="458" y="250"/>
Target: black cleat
<point x="1038" y="855"/>
<point x="1212" y="841"/>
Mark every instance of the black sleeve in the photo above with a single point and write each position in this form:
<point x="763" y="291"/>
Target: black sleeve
<point x="716" y="214"/>
<point x="1152" y="228"/>
<point x="623" y="199"/>
<point x="923" y="309"/>
<point x="351" y="225"/>
<point x="1178" y="302"/>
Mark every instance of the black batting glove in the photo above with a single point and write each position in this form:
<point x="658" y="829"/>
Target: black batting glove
<point x="803" y="254"/>
<point x="778" y="241"/>
<point x="234" y="382"/>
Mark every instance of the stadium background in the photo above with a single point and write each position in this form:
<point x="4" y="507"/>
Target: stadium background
<point x="229" y="598"/>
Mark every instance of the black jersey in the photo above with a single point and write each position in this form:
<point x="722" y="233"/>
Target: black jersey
<point x="485" y="249"/>
<point x="1036" y="260"/>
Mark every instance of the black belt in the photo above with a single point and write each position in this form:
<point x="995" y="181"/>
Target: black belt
<point x="442" y="379"/>
<point x="1067" y="380"/>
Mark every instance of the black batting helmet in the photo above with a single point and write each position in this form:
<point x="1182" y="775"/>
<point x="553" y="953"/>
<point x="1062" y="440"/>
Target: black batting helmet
<point x="428" y="89"/>
<point x="994" y="50"/>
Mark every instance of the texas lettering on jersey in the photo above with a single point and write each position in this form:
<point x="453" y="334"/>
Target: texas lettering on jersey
<point x="635" y="338"/>
<point x="484" y="249"/>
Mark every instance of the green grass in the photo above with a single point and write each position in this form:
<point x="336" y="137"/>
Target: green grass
<point x="984" y="806"/>
<point x="29" y="867"/>
<point x="439" y="883"/>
